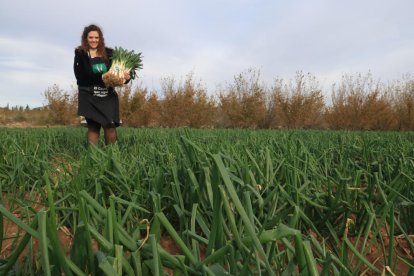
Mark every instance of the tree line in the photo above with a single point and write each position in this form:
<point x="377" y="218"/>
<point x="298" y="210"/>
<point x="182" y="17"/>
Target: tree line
<point x="357" y="102"/>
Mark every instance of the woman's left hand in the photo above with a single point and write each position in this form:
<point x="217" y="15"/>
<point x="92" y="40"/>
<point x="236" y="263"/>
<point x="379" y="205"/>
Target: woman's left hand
<point x="127" y="76"/>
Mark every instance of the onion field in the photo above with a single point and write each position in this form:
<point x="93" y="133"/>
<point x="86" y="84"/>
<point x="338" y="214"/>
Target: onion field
<point x="228" y="202"/>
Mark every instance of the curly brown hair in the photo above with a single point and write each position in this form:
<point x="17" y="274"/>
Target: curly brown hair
<point x="84" y="40"/>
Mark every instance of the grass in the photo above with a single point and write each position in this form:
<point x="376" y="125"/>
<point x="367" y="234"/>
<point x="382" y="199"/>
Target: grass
<point x="233" y="201"/>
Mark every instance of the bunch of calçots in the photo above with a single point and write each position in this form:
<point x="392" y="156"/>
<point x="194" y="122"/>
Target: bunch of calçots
<point x="123" y="61"/>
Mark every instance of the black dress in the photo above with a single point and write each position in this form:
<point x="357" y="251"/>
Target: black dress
<point x="95" y="101"/>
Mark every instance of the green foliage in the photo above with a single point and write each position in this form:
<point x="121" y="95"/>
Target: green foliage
<point x="232" y="201"/>
<point x="129" y="59"/>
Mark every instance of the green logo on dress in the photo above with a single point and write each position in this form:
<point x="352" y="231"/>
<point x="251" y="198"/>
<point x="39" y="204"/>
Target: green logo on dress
<point x="99" y="68"/>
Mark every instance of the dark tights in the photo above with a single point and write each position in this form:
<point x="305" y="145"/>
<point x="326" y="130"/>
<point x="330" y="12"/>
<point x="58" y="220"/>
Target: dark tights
<point x="94" y="132"/>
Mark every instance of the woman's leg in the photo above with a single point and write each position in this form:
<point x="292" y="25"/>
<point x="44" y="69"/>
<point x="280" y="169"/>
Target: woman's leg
<point x="93" y="134"/>
<point x="94" y="130"/>
<point x="110" y="135"/>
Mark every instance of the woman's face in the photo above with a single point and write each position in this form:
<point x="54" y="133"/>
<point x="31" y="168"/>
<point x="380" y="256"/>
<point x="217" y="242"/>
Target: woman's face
<point x="93" y="39"/>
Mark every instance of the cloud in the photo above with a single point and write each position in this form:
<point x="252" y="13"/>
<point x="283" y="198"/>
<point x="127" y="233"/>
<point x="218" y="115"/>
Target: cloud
<point x="31" y="85"/>
<point x="215" y="40"/>
<point x="10" y="63"/>
<point x="29" y="67"/>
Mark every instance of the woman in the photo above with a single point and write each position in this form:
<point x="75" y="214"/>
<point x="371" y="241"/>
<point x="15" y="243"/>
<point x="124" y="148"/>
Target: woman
<point x="97" y="103"/>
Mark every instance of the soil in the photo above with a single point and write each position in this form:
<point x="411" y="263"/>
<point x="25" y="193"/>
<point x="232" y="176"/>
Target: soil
<point x="20" y="125"/>
<point x="29" y="125"/>
<point x="376" y="257"/>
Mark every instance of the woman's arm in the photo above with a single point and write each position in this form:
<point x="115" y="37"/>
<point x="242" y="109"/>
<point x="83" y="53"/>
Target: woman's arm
<point x="76" y="65"/>
<point x="127" y="77"/>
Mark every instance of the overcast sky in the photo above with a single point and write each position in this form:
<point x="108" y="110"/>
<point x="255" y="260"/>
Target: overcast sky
<point x="214" y="40"/>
